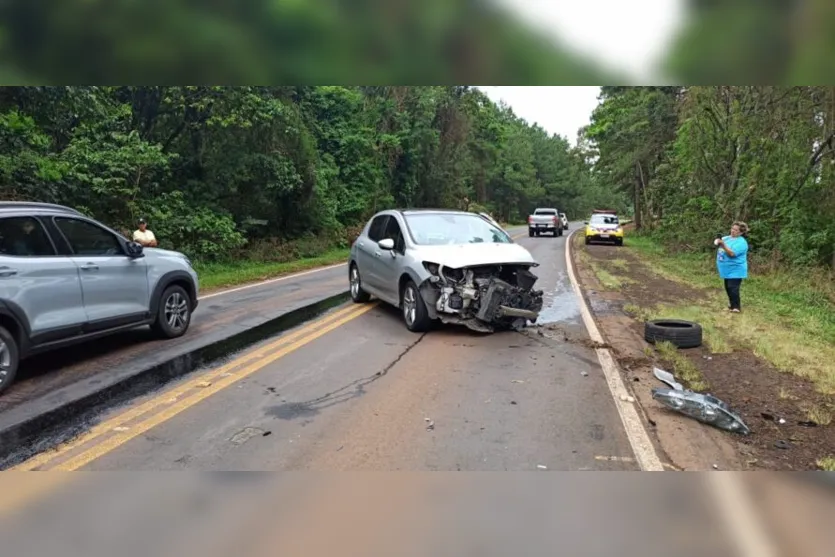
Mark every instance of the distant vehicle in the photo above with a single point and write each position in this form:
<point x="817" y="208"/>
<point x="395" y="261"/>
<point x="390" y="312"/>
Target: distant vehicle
<point x="66" y="279"/>
<point x="452" y="266"/>
<point x="564" y="220"/>
<point x="545" y="220"/>
<point x="604" y="227"/>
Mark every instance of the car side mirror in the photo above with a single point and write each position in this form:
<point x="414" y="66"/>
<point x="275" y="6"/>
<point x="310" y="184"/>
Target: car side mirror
<point x="134" y="249"/>
<point x="386" y="244"/>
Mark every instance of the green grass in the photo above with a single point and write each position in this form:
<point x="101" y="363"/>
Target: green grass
<point x="827" y="464"/>
<point x="683" y="368"/>
<point x="221" y="275"/>
<point x="788" y="318"/>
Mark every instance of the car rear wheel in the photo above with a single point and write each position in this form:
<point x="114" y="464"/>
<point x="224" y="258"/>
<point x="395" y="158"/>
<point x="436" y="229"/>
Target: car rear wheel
<point x="358" y="295"/>
<point x="587" y="240"/>
<point x="174" y="313"/>
<point x="415" y="314"/>
<point x="530" y="232"/>
<point x="9" y="359"/>
<point x="619" y="242"/>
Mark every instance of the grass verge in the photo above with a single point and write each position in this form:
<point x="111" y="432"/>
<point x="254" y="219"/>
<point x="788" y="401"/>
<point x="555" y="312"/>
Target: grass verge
<point x="788" y="319"/>
<point x="214" y="276"/>
<point x="683" y="368"/>
<point x="827" y="464"/>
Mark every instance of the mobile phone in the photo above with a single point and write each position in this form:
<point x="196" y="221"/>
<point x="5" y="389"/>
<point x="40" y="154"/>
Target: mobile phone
<point x="719" y="236"/>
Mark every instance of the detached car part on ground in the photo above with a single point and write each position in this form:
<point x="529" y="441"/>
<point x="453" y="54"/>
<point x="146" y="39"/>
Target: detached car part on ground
<point x="452" y="266"/>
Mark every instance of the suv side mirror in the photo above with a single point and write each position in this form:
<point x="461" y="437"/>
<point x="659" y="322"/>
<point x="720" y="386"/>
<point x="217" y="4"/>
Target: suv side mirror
<point x="134" y="249"/>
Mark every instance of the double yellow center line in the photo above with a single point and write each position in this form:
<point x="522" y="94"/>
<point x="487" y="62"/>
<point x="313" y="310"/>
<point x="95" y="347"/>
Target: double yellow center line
<point x="118" y="430"/>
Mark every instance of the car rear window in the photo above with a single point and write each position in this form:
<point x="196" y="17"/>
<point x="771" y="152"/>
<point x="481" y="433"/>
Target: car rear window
<point x="545" y="212"/>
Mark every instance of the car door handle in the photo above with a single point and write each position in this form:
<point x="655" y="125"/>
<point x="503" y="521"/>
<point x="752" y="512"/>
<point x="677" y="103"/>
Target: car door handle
<point x="7" y="272"/>
<point x="90" y="267"/>
<point x="376" y="254"/>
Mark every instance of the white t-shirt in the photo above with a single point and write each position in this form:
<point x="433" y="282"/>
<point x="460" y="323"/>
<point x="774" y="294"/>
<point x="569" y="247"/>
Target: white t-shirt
<point x="147" y="236"/>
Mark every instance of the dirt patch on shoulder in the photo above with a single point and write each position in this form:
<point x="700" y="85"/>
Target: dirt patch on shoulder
<point x="790" y="421"/>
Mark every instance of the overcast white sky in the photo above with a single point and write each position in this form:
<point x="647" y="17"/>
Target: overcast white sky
<point x="626" y="35"/>
<point x="562" y="110"/>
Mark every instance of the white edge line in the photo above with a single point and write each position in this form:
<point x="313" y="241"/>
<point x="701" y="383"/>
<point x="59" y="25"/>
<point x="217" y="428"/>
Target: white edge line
<point x="739" y="516"/>
<point x="270" y="281"/>
<point x="636" y="433"/>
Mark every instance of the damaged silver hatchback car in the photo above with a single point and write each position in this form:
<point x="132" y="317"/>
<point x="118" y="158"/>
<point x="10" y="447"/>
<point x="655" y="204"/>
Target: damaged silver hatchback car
<point x="453" y="266"/>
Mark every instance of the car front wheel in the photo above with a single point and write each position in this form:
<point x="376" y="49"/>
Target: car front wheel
<point x="415" y="314"/>
<point x="174" y="313"/>
<point x="9" y="359"/>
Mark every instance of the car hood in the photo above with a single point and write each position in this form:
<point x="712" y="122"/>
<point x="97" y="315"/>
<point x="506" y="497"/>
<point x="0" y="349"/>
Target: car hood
<point x="468" y="255"/>
<point x="165" y="252"/>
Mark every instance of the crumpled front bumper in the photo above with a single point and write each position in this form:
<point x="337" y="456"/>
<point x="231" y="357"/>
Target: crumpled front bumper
<point x="484" y="304"/>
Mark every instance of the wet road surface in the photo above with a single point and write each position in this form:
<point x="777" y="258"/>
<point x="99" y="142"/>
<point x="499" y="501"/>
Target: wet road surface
<point x="367" y="394"/>
<point x="355" y="391"/>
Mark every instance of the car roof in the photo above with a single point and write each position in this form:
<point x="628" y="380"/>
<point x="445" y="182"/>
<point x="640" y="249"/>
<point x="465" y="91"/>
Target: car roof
<point x="32" y="206"/>
<point x="445" y="211"/>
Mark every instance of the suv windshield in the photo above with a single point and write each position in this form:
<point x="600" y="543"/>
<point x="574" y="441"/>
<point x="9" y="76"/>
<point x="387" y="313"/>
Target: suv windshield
<point x="453" y="228"/>
<point x="603" y="219"/>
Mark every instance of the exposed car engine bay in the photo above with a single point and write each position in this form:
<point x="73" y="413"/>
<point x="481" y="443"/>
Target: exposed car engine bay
<point x="485" y="298"/>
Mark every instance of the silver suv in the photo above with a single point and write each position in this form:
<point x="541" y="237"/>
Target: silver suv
<point x="65" y="279"/>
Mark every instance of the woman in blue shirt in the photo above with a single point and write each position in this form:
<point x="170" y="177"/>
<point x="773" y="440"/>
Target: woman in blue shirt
<point x="732" y="262"/>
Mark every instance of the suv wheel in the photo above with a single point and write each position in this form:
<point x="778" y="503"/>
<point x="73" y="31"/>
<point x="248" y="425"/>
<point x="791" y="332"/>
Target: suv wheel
<point x="174" y="313"/>
<point x="9" y="359"/>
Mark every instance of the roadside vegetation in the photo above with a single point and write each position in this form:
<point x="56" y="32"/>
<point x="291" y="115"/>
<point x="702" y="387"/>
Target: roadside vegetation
<point x="792" y="328"/>
<point x="252" y="181"/>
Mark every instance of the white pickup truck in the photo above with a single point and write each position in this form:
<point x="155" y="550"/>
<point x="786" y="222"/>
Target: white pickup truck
<point x="545" y="220"/>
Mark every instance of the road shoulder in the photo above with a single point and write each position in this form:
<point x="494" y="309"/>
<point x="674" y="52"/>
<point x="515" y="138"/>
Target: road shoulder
<point x="623" y="290"/>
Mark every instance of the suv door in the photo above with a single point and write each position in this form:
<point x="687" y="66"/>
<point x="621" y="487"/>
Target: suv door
<point x="41" y="287"/>
<point x="368" y="253"/>
<point x="115" y="286"/>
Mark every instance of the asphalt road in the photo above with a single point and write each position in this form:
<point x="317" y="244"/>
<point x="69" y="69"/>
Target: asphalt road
<point x="370" y="395"/>
<point x="355" y="391"/>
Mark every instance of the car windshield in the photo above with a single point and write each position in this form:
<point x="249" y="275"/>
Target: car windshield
<point x="603" y="219"/>
<point x="453" y="228"/>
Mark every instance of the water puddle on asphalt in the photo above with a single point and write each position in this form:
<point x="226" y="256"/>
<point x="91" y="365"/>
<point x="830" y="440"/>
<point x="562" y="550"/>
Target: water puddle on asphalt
<point x="560" y="304"/>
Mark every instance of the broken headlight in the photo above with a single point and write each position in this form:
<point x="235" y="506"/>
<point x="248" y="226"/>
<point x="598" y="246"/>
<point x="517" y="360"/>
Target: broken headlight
<point x="431" y="267"/>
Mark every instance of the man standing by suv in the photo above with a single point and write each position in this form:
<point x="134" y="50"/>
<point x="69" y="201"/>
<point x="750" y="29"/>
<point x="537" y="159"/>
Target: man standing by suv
<point x="144" y="236"/>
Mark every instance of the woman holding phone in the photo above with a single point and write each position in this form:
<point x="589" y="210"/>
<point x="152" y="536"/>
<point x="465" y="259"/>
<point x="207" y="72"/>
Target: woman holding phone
<point x="732" y="262"/>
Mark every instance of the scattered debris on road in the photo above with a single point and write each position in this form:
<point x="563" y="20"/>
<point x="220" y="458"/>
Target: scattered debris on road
<point x="542" y="467"/>
<point x="204" y="384"/>
<point x="430" y="425"/>
<point x="668" y="378"/>
<point x="246" y="434"/>
<point x="782" y="445"/>
<point x="627" y="398"/>
<point x="121" y="428"/>
<point x="584" y="373"/>
<point x="517" y="381"/>
<point x="705" y="408"/>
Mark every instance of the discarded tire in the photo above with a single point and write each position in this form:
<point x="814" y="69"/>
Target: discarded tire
<point x="681" y="334"/>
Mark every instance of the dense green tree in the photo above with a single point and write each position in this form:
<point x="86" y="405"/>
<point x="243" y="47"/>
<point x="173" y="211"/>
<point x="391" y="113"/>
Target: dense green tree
<point x="218" y="169"/>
